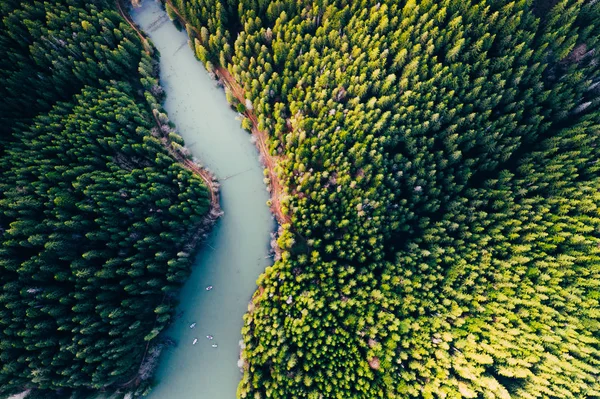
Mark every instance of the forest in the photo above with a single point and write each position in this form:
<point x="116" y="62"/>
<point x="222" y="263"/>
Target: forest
<point x="440" y="165"/>
<point x="99" y="220"/>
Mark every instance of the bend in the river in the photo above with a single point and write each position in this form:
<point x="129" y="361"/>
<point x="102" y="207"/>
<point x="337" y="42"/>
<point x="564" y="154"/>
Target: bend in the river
<point x="236" y="251"/>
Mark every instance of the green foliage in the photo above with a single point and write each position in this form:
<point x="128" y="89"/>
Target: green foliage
<point x="44" y="59"/>
<point x="247" y="124"/>
<point x="212" y="19"/>
<point x="96" y="218"/>
<point x="439" y="159"/>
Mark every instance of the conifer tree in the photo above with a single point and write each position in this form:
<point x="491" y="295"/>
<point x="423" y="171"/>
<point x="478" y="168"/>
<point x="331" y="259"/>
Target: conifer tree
<point x="439" y="164"/>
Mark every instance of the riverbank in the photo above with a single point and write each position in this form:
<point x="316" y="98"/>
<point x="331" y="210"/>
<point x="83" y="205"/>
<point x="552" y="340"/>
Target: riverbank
<point x="163" y="131"/>
<point x="236" y="251"/>
<point x="269" y="161"/>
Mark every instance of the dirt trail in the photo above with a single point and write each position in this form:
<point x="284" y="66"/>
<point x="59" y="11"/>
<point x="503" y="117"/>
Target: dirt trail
<point x="126" y="18"/>
<point x="269" y="160"/>
<point x="204" y="174"/>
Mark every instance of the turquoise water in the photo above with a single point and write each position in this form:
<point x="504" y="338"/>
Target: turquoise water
<point x="236" y="251"/>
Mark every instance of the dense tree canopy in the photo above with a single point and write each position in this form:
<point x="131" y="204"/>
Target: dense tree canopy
<point x="440" y="161"/>
<point x="97" y="220"/>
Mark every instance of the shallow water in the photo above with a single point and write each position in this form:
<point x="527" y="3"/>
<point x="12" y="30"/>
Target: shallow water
<point x="236" y="251"/>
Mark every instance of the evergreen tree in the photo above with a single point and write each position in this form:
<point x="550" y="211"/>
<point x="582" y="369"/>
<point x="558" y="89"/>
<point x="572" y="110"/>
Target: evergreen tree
<point x="97" y="218"/>
<point x="439" y="163"/>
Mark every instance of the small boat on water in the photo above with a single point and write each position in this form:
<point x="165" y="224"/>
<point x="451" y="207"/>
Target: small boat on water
<point x="214" y="345"/>
<point x="209" y="337"/>
<point x="195" y="341"/>
<point x="192" y="325"/>
<point x="210" y="287"/>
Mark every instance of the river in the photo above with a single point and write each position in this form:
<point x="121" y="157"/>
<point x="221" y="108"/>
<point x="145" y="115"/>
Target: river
<point x="235" y="253"/>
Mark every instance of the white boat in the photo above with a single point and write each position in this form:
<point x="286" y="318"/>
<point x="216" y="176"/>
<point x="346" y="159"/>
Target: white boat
<point x="195" y="340"/>
<point x="214" y="345"/>
<point x="192" y="325"/>
<point x="210" y="287"/>
<point x="209" y="337"/>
